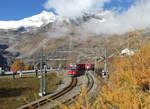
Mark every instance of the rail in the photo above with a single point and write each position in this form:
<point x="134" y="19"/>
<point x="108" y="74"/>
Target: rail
<point x="90" y="85"/>
<point x="45" y="100"/>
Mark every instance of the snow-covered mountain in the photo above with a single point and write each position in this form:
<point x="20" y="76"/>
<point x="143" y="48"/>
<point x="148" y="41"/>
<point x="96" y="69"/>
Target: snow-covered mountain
<point x="47" y="23"/>
<point x="35" y="21"/>
<point x="45" y="18"/>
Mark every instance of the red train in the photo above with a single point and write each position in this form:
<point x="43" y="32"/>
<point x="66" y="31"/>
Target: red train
<point x="89" y="66"/>
<point x="78" y="68"/>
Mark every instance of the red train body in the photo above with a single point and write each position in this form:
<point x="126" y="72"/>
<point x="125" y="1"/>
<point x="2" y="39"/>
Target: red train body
<point x="76" y="68"/>
<point x="89" y="66"/>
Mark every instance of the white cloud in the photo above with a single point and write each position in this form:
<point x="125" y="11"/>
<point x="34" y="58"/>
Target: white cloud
<point x="74" y="8"/>
<point x="136" y="17"/>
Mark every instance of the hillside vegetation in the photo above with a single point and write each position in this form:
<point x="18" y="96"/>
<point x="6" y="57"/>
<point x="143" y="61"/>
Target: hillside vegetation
<point x="128" y="87"/>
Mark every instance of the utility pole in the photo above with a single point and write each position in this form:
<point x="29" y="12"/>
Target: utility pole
<point x="0" y="71"/>
<point x="105" y="60"/>
<point x="41" y="73"/>
<point x="70" y="46"/>
<point x="45" y="83"/>
<point x="105" y="73"/>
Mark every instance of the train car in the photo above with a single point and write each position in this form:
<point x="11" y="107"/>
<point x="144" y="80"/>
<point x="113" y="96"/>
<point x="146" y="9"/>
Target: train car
<point x="80" y="66"/>
<point x="76" y="69"/>
<point x="89" y="66"/>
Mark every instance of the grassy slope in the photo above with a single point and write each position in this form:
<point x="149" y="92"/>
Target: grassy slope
<point x="13" y="91"/>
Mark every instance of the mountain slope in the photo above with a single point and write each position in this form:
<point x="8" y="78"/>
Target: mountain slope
<point x="35" y="21"/>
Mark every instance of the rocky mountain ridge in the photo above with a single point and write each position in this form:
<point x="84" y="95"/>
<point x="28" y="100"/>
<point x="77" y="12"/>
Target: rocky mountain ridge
<point x="58" y="33"/>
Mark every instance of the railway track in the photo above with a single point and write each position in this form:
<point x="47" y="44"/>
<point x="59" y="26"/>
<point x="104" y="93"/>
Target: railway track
<point x="89" y="85"/>
<point x="36" y="104"/>
<point x="90" y="82"/>
<point x="39" y="103"/>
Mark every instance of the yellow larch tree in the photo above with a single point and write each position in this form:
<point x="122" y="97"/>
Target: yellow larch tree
<point x="18" y="65"/>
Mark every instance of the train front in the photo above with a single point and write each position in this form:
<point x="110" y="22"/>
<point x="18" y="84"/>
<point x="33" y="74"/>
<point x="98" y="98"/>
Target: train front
<point x="73" y="69"/>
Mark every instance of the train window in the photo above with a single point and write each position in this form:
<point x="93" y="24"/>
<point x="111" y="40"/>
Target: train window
<point x="73" y="69"/>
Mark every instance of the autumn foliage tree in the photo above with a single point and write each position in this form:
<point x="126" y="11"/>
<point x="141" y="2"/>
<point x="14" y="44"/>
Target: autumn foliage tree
<point x="28" y="67"/>
<point x="128" y="87"/>
<point x="18" y="65"/>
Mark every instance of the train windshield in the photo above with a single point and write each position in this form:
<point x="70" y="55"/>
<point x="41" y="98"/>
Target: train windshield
<point x="73" y="67"/>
